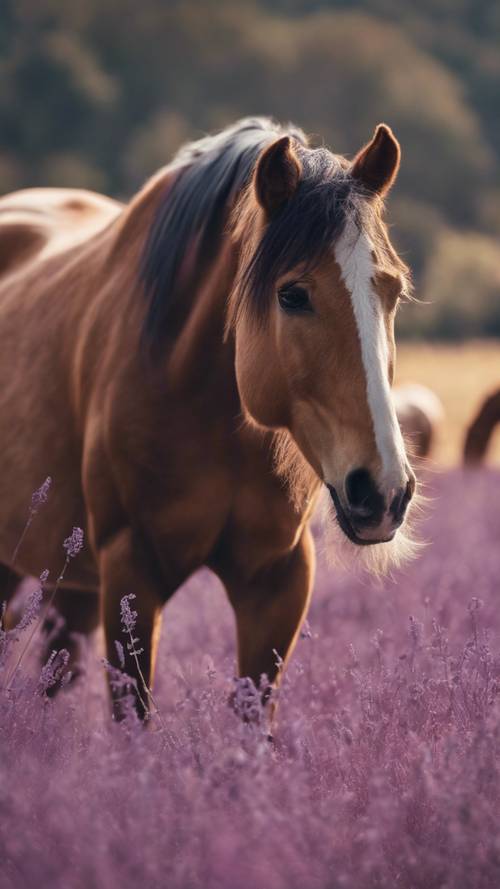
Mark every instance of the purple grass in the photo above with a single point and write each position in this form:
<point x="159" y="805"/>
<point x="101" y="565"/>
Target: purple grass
<point x="385" y="767"/>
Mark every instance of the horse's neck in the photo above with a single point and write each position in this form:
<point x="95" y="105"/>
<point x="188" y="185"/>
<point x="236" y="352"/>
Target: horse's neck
<point x="198" y="365"/>
<point x="194" y="339"/>
<point x="199" y="354"/>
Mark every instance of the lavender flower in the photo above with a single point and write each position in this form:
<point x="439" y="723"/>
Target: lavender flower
<point x="39" y="497"/>
<point x="31" y="615"/>
<point x="32" y="608"/>
<point x="279" y="662"/>
<point x="4" y="635"/>
<point x="128" y="616"/>
<point x="246" y="701"/>
<point x="379" y="775"/>
<point x="123" y="687"/>
<point x="74" y="543"/>
<point x="129" y="620"/>
<point x="54" y="671"/>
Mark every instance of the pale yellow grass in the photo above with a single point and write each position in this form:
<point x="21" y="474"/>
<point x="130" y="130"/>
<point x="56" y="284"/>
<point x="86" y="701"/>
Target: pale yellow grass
<point x="461" y="375"/>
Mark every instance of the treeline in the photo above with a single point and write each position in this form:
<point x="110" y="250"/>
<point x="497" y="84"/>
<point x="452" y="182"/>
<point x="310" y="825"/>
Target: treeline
<point x="100" y="93"/>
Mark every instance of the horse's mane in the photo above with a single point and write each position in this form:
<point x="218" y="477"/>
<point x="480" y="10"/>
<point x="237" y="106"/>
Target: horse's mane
<point x="208" y="175"/>
<point x="209" y="179"/>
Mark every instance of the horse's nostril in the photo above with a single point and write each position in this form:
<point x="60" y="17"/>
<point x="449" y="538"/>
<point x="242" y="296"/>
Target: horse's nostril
<point x="363" y="497"/>
<point x="358" y="486"/>
<point x="401" y="501"/>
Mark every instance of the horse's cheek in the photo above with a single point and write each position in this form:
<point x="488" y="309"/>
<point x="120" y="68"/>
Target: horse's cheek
<point x="261" y="382"/>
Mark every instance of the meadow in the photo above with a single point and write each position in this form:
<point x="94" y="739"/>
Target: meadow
<point x="382" y="772"/>
<point x="384" y="766"/>
<point x="461" y="374"/>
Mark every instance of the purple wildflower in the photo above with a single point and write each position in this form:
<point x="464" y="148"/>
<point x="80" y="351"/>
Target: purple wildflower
<point x="129" y="620"/>
<point x="377" y="776"/>
<point x="123" y="687"/>
<point x="246" y="701"/>
<point x="128" y="616"/>
<point x="416" y="631"/>
<point x="279" y="662"/>
<point x="54" y="671"/>
<point x="74" y="543"/>
<point x="40" y="496"/>
<point x="4" y="634"/>
<point x="33" y="604"/>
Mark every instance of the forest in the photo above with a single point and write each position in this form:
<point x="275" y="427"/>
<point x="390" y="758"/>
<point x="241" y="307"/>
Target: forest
<point x="101" y="95"/>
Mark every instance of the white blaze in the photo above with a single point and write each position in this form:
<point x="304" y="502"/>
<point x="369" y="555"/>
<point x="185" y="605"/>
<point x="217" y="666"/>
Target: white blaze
<point x="353" y="253"/>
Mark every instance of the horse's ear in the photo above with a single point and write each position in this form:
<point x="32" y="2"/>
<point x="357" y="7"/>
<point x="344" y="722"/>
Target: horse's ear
<point x="377" y="164"/>
<point x="277" y="175"/>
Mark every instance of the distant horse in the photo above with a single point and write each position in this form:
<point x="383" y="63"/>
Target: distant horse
<point x="481" y="429"/>
<point x="419" y="412"/>
<point x="191" y="369"/>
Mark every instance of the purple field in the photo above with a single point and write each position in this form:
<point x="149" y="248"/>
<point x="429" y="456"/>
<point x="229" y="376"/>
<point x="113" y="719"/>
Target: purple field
<point x="384" y="770"/>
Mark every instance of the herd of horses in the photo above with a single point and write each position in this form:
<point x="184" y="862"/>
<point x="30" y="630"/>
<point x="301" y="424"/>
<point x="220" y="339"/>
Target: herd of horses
<point x="195" y="370"/>
<point x="420" y="413"/>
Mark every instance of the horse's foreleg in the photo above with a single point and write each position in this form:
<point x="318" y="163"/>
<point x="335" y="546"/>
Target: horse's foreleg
<point x="124" y="569"/>
<point x="9" y="581"/>
<point x="269" y="611"/>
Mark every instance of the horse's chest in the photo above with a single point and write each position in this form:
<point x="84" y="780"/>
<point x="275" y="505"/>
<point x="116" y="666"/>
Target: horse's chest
<point x="191" y="520"/>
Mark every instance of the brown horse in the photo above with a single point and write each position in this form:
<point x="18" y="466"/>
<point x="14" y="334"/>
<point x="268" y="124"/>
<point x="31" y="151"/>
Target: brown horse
<point x="419" y="412"/>
<point x="481" y="429"/>
<point x="156" y="357"/>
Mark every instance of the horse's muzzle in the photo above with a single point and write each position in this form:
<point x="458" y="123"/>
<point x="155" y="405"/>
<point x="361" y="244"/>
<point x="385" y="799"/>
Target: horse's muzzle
<point x="347" y="525"/>
<point x="365" y="517"/>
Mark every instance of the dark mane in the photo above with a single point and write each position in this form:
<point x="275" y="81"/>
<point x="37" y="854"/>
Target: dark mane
<point x="194" y="212"/>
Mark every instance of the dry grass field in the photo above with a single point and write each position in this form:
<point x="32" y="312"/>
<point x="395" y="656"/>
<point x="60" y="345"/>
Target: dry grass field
<point x="461" y="375"/>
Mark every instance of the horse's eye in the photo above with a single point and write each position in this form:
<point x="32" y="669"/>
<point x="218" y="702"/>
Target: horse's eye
<point x="293" y="298"/>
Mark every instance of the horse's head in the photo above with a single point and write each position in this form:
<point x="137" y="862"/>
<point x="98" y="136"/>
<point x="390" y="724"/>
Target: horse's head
<point x="313" y="313"/>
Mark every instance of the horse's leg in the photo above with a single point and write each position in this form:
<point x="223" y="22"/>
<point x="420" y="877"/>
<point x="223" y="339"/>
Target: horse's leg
<point x="76" y="617"/>
<point x="481" y="429"/>
<point x="9" y="581"/>
<point x="124" y="568"/>
<point x="269" y="611"/>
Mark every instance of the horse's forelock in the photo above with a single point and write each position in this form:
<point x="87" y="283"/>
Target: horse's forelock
<point x="300" y="235"/>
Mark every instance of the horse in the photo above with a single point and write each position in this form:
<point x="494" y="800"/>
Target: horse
<point x="419" y="412"/>
<point x="193" y="369"/>
<point x="481" y="429"/>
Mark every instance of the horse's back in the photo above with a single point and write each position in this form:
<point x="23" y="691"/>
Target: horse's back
<point x="419" y="412"/>
<point x="45" y="270"/>
<point x="38" y="222"/>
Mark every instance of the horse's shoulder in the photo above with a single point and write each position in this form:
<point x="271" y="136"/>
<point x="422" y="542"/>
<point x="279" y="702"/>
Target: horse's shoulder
<point x="20" y="240"/>
<point x="46" y="219"/>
